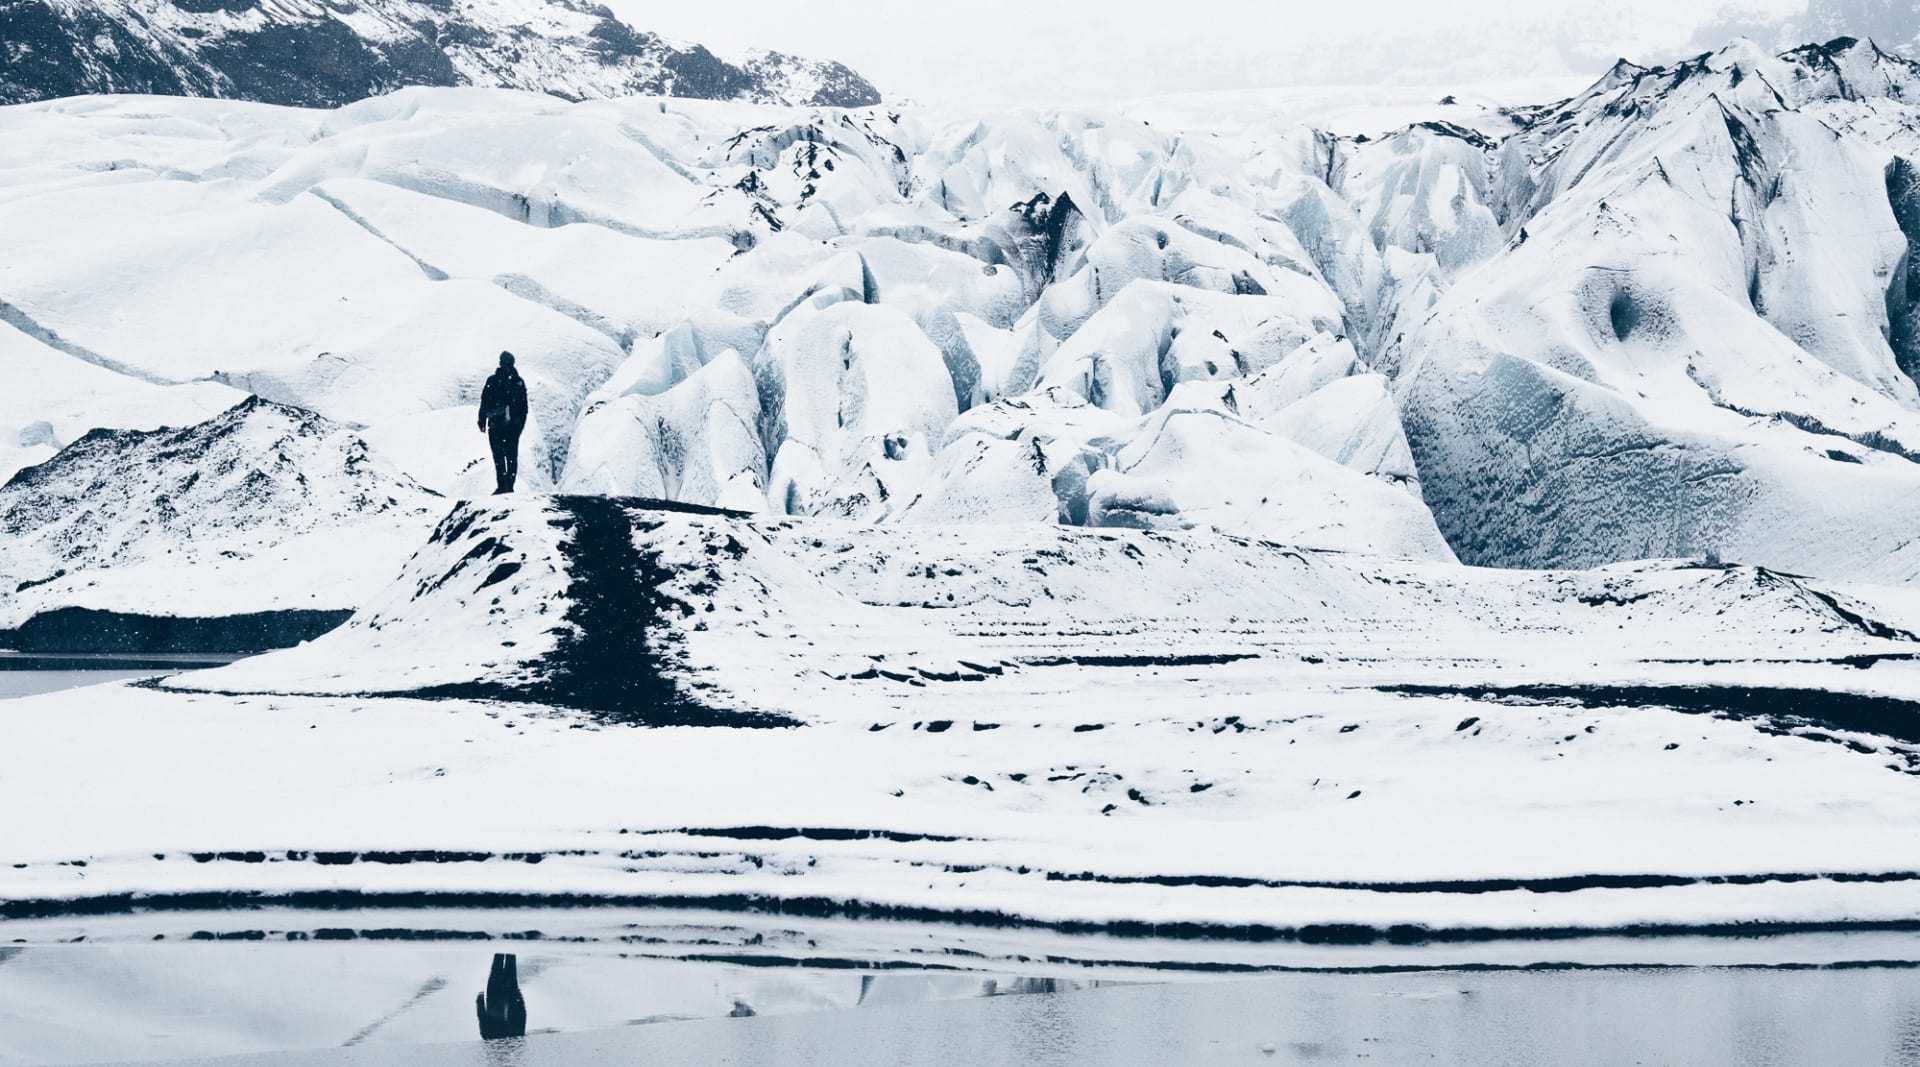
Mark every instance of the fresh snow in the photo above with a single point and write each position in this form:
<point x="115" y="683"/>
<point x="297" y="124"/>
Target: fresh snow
<point x="260" y="508"/>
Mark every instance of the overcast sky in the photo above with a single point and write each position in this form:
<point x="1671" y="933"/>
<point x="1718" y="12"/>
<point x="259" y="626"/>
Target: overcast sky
<point x="1001" y="52"/>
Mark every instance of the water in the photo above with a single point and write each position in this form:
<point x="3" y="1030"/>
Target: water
<point x="1687" y="1018"/>
<point x="387" y="989"/>
<point x="16" y="683"/>
<point x="92" y="1003"/>
<point x="1693" y="1018"/>
<point x="27" y="674"/>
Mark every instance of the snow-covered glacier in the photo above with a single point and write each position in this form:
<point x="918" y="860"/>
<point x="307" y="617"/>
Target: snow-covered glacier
<point x="1667" y="317"/>
<point x="1241" y="514"/>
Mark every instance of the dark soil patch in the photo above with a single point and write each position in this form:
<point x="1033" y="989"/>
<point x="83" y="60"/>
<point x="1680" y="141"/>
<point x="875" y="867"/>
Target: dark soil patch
<point x="84" y="630"/>
<point x="612" y="659"/>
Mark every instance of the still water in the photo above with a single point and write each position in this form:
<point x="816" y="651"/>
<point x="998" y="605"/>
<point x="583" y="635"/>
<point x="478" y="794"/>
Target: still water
<point x="24" y="674"/>
<point x="374" y="1003"/>
<point x="1688" y="1018"/>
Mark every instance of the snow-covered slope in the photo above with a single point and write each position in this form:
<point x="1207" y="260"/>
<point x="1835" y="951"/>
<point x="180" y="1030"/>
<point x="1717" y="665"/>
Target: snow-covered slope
<point x="260" y="508"/>
<point x="52" y="399"/>
<point x="823" y="621"/>
<point x="307" y="53"/>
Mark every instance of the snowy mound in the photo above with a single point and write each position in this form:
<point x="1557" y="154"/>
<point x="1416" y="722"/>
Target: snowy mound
<point x="263" y="506"/>
<point x="326" y="54"/>
<point x="659" y="614"/>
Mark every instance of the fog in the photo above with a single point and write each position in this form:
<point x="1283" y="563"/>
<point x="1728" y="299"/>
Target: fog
<point x="1000" y="52"/>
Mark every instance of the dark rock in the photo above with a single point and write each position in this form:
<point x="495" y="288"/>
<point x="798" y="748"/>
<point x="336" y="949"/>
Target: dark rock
<point x="316" y="59"/>
<point x="84" y="630"/>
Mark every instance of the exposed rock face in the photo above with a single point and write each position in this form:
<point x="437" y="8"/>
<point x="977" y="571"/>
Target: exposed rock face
<point x="311" y="54"/>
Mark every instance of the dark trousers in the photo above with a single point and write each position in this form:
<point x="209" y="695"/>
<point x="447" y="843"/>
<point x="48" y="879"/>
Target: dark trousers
<point x="505" y="439"/>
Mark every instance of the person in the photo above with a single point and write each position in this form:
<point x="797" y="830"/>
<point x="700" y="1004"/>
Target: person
<point x="503" y="414"/>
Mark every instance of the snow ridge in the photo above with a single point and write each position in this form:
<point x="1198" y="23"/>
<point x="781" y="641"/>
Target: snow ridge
<point x="817" y="620"/>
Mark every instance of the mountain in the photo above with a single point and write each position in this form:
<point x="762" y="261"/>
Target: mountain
<point x="309" y="53"/>
<point x="1894" y="24"/>
<point x="262" y="507"/>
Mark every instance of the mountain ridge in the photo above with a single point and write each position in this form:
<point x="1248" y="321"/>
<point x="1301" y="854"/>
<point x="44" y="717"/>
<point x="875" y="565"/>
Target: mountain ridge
<point x="310" y="53"/>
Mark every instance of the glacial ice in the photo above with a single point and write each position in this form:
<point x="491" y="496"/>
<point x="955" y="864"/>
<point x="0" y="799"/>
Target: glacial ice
<point x="1668" y="316"/>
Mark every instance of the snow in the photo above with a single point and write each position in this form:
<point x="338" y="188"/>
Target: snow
<point x="1432" y="807"/>
<point x="373" y="260"/>
<point x="1028" y="741"/>
<point x="696" y="441"/>
<point x="260" y="508"/>
<point x="1693" y="340"/>
<point x="53" y="399"/>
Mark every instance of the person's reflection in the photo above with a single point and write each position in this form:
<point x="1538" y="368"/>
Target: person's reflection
<point x="502" y="1011"/>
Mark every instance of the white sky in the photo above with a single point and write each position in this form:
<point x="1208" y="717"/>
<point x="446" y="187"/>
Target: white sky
<point x="1002" y="52"/>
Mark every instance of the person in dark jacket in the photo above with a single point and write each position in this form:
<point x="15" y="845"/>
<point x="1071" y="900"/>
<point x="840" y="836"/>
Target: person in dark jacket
<point x="503" y="414"/>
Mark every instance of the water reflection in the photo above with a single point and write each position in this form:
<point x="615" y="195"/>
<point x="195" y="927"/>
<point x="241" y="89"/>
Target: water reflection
<point x="30" y="674"/>
<point x="505" y="1052"/>
<point x="502" y="1010"/>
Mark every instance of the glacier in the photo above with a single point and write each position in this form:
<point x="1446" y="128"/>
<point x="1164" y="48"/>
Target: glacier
<point x="1667" y="317"/>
